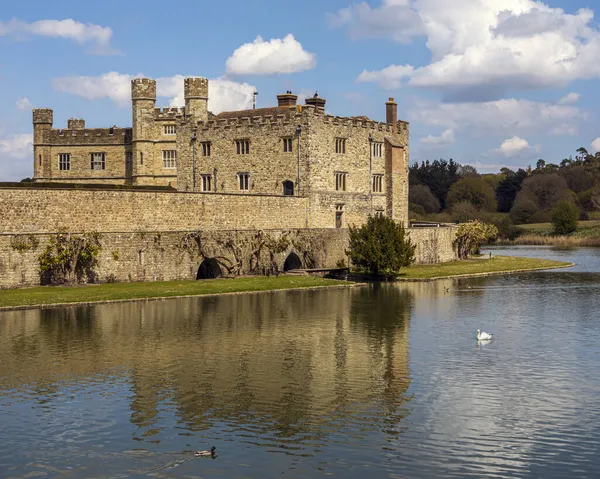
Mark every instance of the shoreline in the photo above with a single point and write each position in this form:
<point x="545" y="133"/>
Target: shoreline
<point x="42" y="297"/>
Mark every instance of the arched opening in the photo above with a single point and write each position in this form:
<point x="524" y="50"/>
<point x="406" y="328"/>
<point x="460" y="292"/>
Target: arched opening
<point x="288" y="188"/>
<point x="209" y="269"/>
<point x="292" y="262"/>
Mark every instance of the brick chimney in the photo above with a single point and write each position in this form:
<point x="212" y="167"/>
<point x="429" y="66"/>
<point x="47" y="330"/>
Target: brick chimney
<point x="391" y="116"/>
<point x="316" y="101"/>
<point x="287" y="99"/>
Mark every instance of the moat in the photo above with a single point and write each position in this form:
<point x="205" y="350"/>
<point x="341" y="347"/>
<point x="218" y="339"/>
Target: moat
<point x="380" y="381"/>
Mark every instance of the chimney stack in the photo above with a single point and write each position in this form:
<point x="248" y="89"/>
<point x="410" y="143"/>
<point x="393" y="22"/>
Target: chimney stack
<point x="391" y="116"/>
<point x="287" y="99"/>
<point x="318" y="103"/>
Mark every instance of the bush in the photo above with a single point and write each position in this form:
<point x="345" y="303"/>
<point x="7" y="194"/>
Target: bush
<point x="380" y="247"/>
<point x="564" y="218"/>
<point x="470" y="237"/>
<point x="522" y="211"/>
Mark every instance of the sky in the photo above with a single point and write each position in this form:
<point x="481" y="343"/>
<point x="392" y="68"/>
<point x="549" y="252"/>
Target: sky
<point x="489" y="83"/>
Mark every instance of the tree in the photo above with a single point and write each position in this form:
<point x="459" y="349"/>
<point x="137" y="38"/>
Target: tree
<point x="439" y="176"/>
<point x="564" y="218"/>
<point x="508" y="188"/>
<point x="70" y="258"/>
<point x="476" y="191"/>
<point x="546" y="190"/>
<point x="380" y="247"/>
<point x="470" y="237"/>
<point x="522" y="211"/>
<point x="421" y="195"/>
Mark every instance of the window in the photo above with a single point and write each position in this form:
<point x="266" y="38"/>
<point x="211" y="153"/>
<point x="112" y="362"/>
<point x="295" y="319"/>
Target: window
<point x="40" y="159"/>
<point x="243" y="147"/>
<point x="340" y="145"/>
<point x="288" y="188"/>
<point x="377" y="183"/>
<point x="377" y="149"/>
<point x="206" y="148"/>
<point x="64" y="161"/>
<point x="206" y="182"/>
<point x="98" y="161"/>
<point x="141" y="158"/>
<point x="287" y="145"/>
<point x="339" y="213"/>
<point x="170" y="159"/>
<point x="128" y="158"/>
<point x="170" y="129"/>
<point x="244" y="181"/>
<point x="340" y="181"/>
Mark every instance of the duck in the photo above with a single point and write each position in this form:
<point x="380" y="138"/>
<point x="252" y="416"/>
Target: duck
<point x="211" y="453"/>
<point x="483" y="336"/>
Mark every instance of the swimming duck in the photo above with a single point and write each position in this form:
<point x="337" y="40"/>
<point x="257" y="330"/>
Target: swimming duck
<point x="210" y="453"/>
<point x="483" y="335"/>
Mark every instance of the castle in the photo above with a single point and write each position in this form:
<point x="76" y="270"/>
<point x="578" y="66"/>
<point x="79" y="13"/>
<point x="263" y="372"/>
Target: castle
<point x="251" y="192"/>
<point x="348" y="167"/>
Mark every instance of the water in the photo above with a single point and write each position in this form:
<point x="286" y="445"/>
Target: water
<point x="383" y="380"/>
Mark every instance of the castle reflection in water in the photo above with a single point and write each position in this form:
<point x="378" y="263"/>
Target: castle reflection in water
<point x="289" y="361"/>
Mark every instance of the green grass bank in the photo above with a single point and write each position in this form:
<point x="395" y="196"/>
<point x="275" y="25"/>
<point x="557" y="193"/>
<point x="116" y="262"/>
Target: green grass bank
<point x="478" y="267"/>
<point x="586" y="234"/>
<point x="46" y="295"/>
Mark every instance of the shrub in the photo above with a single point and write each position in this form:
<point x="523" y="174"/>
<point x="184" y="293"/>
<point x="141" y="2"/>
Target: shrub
<point x="564" y="218"/>
<point x="470" y="237"/>
<point x="522" y="211"/>
<point x="70" y="258"/>
<point x="380" y="247"/>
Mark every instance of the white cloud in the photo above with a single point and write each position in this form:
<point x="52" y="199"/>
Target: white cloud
<point x="483" y="49"/>
<point x="223" y="94"/>
<point x="569" y="99"/>
<point x="394" y="18"/>
<point x="596" y="144"/>
<point x="95" y="35"/>
<point x="23" y="104"/>
<point x="16" y="156"/>
<point x="508" y="116"/>
<point x="390" y="77"/>
<point x="270" y="57"/>
<point x="17" y="146"/>
<point x="516" y="147"/>
<point x="446" y="138"/>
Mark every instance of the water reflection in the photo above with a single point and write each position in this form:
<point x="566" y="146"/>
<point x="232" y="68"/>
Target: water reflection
<point x="279" y="370"/>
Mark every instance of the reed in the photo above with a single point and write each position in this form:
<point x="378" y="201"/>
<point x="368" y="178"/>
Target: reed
<point x="547" y="240"/>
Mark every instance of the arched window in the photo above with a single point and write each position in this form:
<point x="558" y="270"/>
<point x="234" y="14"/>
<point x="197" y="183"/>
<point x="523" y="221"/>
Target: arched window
<point x="288" y="188"/>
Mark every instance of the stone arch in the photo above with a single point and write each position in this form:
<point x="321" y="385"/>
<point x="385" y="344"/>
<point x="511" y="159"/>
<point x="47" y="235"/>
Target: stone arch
<point x="209" y="269"/>
<point x="288" y="188"/>
<point x="293" y="261"/>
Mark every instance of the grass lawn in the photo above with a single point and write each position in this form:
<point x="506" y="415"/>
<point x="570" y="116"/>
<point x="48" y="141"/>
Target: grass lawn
<point x="124" y="291"/>
<point x="475" y="266"/>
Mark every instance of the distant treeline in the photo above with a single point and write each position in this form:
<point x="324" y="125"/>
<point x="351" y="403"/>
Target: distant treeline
<point x="447" y="191"/>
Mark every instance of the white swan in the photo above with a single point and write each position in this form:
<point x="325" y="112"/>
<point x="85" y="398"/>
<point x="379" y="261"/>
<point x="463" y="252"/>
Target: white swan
<point x="483" y="336"/>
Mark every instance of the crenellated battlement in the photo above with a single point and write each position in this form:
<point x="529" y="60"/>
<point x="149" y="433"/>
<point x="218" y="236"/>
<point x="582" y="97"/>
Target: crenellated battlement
<point x="195" y="88"/>
<point x="168" y="113"/>
<point x="143" y="89"/>
<point x="91" y="136"/>
<point x="43" y="116"/>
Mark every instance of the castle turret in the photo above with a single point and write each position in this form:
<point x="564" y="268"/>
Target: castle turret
<point x="195" y="92"/>
<point x="42" y="126"/>
<point x="143" y="101"/>
<point x="76" y="124"/>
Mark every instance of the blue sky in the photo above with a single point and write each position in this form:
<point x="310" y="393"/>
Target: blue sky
<point x="490" y="83"/>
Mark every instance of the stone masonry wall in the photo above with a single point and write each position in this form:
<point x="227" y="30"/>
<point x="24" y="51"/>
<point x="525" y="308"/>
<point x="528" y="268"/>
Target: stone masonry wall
<point x="434" y="245"/>
<point x="47" y="210"/>
<point x="159" y="255"/>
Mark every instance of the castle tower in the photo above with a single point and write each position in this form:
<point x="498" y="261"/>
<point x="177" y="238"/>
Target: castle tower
<point x="143" y="101"/>
<point x="396" y="168"/>
<point x="42" y="126"/>
<point x="195" y="92"/>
